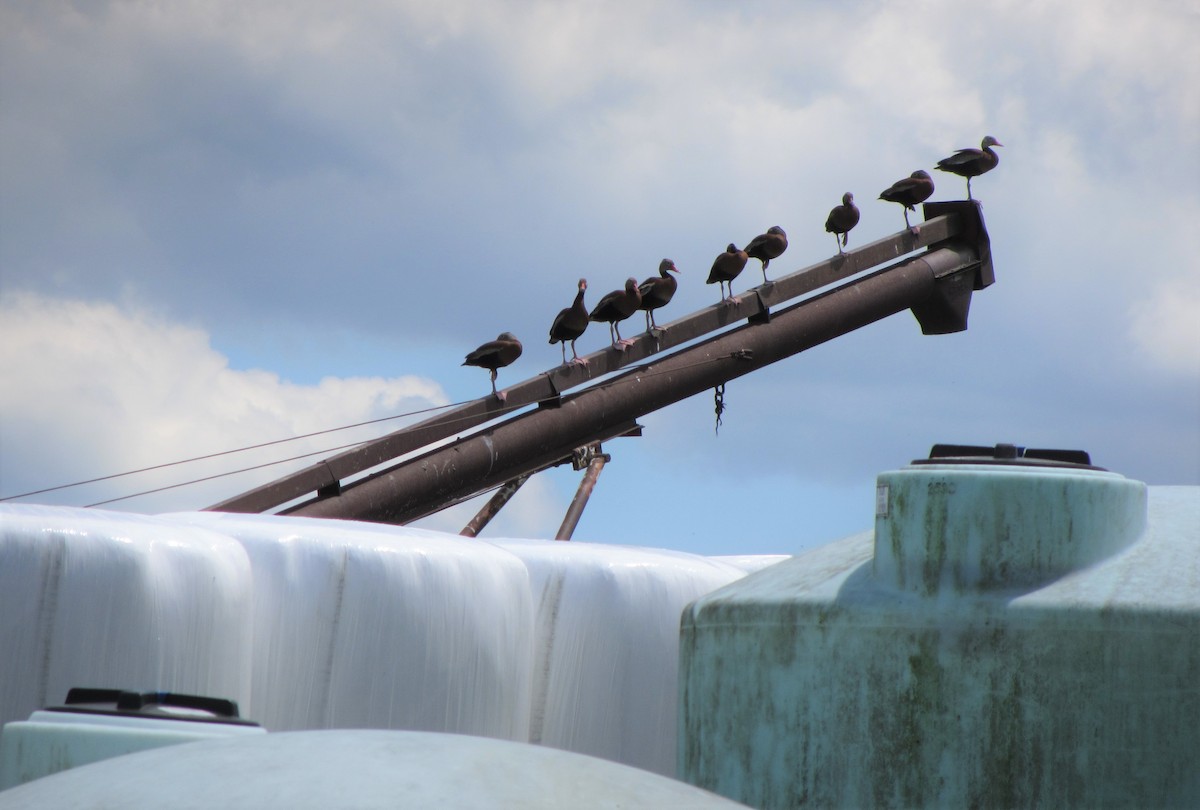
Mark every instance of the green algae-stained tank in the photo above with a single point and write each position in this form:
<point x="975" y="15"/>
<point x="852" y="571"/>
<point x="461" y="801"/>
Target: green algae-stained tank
<point x="1022" y="629"/>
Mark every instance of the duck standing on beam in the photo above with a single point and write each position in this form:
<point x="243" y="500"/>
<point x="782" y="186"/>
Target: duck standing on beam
<point x="616" y="307"/>
<point x="570" y="324"/>
<point x="657" y="291"/>
<point x="496" y="354"/>
<point x="916" y="188"/>
<point x="767" y="246"/>
<point x="726" y="268"/>
<point x="841" y="219"/>
<point x="970" y="163"/>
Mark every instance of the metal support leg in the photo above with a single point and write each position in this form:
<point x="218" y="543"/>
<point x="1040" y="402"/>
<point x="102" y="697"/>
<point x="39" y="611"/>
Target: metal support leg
<point x="494" y="505"/>
<point x="595" y="463"/>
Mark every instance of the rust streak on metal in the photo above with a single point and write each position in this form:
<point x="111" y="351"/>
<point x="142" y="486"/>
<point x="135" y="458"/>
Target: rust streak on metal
<point x="936" y="285"/>
<point x="575" y="511"/>
<point x="946" y="223"/>
<point x="490" y="509"/>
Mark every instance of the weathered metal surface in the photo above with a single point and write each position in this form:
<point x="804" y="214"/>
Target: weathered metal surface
<point x="972" y="230"/>
<point x="424" y="484"/>
<point x="434" y="481"/>
<point x="582" y="494"/>
<point x="959" y="221"/>
<point x="1003" y="640"/>
<point x="492" y="508"/>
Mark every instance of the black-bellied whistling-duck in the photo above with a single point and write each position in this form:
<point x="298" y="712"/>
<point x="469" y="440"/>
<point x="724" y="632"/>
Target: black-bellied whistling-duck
<point x="657" y="291"/>
<point x="726" y="268"/>
<point x="616" y="307"/>
<point x="495" y="354"/>
<point x="841" y="219"/>
<point x="970" y="163"/>
<point x="767" y="246"/>
<point x="570" y="324"/>
<point x="916" y="188"/>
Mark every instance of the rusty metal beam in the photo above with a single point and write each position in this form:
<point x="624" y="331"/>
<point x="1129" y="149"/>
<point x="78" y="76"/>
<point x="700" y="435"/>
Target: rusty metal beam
<point x="450" y="485"/>
<point x="595" y="463"/>
<point x="936" y="285"/>
<point x="492" y="508"/>
<point x="944" y="223"/>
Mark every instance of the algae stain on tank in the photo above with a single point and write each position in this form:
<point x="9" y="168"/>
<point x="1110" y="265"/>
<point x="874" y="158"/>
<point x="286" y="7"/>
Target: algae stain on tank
<point x="1017" y="632"/>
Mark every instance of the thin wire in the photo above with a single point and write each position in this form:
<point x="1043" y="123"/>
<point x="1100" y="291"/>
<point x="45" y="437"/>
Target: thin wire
<point x="220" y="475"/>
<point x="633" y="370"/>
<point x="265" y="464"/>
<point x="230" y="452"/>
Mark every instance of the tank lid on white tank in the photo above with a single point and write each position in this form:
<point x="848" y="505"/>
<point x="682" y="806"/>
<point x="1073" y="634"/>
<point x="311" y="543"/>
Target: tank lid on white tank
<point x="108" y="705"/>
<point x="1007" y="455"/>
<point x="971" y="518"/>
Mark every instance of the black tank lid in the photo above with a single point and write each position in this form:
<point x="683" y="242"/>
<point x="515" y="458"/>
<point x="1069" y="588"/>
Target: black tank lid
<point x="1008" y="454"/>
<point x="152" y="705"/>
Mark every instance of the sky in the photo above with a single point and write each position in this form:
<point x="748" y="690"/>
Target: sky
<point x="226" y="223"/>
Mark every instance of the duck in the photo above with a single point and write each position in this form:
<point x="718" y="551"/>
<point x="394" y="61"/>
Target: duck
<point x="841" y="220"/>
<point x="972" y="162"/>
<point x="657" y="291"/>
<point x="767" y="246"/>
<point x="726" y="267"/>
<point x="496" y="354"/>
<point x="616" y="307"/>
<point x="916" y="188"/>
<point x="569" y="324"/>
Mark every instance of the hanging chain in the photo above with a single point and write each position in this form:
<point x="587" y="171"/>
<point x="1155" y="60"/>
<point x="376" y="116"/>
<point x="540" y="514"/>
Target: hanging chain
<point x="718" y="406"/>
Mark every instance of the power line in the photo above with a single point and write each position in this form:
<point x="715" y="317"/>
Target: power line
<point x="635" y="370"/>
<point x="220" y="475"/>
<point x="231" y="452"/>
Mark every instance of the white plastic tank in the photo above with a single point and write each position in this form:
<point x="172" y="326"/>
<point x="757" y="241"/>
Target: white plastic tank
<point x="361" y="625"/>
<point x="605" y="660"/>
<point x="90" y="597"/>
<point x="363" y="769"/>
<point x="98" y="724"/>
<point x="310" y="623"/>
<point x="1022" y="629"/>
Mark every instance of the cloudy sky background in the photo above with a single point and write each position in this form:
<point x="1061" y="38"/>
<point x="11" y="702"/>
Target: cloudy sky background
<point x="223" y="223"/>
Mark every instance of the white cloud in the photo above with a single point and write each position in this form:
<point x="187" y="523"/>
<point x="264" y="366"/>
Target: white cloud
<point x="1166" y="325"/>
<point x="93" y="389"/>
<point x="395" y="169"/>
